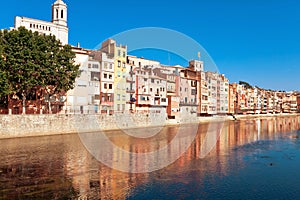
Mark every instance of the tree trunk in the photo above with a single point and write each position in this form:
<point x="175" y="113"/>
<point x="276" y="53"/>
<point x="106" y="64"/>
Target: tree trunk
<point x="49" y="105"/>
<point x="24" y="103"/>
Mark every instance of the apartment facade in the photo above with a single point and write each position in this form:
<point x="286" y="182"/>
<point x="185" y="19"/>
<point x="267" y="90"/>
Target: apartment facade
<point x="119" y="54"/>
<point x="85" y="96"/>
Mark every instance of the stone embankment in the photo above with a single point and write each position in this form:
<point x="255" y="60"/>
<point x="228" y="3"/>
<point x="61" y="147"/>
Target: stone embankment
<point x="12" y="126"/>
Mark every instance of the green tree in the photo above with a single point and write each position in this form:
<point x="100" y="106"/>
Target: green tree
<point x="246" y="85"/>
<point x="33" y="60"/>
<point x="4" y="86"/>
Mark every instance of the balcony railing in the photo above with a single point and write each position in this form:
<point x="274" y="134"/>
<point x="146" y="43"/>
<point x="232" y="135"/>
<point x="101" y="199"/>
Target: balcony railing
<point x="130" y="91"/>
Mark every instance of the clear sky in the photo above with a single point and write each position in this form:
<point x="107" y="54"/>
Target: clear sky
<point x="256" y="41"/>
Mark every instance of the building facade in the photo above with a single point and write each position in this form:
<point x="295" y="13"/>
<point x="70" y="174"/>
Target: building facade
<point x="119" y="54"/>
<point x="57" y="27"/>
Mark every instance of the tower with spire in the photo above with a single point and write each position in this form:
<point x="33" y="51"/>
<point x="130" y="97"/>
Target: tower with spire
<point x="57" y="27"/>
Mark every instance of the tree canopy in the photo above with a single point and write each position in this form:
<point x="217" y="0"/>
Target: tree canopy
<point x="4" y="86"/>
<point x="245" y="84"/>
<point x="29" y="60"/>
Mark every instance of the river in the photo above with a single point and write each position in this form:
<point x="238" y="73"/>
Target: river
<point x="252" y="159"/>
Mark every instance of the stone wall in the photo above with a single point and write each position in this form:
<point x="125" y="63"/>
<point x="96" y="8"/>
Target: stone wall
<point x="12" y="126"/>
<point x="38" y="125"/>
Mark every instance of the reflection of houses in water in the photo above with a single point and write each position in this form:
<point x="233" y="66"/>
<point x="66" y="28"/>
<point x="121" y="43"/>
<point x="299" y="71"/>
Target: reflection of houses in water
<point x="33" y="166"/>
<point x="77" y="166"/>
<point x="61" y="164"/>
<point x="94" y="180"/>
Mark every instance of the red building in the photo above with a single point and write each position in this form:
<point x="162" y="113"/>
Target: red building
<point x="37" y="102"/>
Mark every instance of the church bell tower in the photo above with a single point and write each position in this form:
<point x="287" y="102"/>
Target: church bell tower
<point x="59" y="13"/>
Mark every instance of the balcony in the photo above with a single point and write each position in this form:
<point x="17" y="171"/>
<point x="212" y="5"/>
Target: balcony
<point x="129" y="80"/>
<point x="130" y="91"/>
<point x="188" y="104"/>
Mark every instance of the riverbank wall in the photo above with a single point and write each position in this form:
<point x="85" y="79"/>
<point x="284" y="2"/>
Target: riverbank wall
<point x="12" y="126"/>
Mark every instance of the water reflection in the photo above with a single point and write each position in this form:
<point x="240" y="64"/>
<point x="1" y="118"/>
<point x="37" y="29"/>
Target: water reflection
<point x="59" y="167"/>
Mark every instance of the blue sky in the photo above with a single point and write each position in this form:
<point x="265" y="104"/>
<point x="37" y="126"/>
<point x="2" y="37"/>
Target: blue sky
<point x="254" y="41"/>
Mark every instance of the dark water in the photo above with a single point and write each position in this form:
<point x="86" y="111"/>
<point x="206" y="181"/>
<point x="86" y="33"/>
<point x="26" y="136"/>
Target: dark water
<point x="253" y="159"/>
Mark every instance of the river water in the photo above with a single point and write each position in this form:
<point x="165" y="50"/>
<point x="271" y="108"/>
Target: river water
<point x="252" y="159"/>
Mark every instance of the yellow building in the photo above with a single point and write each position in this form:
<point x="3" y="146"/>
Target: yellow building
<point x="119" y="54"/>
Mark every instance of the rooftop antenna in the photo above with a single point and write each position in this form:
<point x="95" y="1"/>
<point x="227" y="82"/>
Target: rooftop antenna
<point x="199" y="55"/>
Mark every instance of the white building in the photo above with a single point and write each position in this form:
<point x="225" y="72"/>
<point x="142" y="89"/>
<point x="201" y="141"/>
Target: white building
<point x="57" y="27"/>
<point x="77" y="98"/>
<point x="85" y="96"/>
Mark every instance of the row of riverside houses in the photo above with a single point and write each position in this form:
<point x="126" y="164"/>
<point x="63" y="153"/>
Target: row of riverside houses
<point x="111" y="81"/>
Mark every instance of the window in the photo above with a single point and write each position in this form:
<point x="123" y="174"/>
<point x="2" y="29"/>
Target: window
<point x="95" y="66"/>
<point x="105" y="85"/>
<point x="110" y="66"/>
<point x="89" y="65"/>
<point x="145" y="79"/>
<point x="119" y="53"/>
<point x="118" y="97"/>
<point x="124" y="66"/>
<point x="118" y="107"/>
<point x="95" y="76"/>
<point x="145" y="90"/>
<point x="97" y="97"/>
<point x="124" y="54"/>
<point x="143" y="98"/>
<point x="110" y="86"/>
<point x="152" y="80"/>
<point x="62" y="14"/>
<point x="105" y="75"/>
<point x="110" y="76"/>
<point x="150" y="89"/>
<point x="163" y="100"/>
<point x="119" y="63"/>
<point x="119" y="74"/>
<point x="193" y="92"/>
<point x="193" y="83"/>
